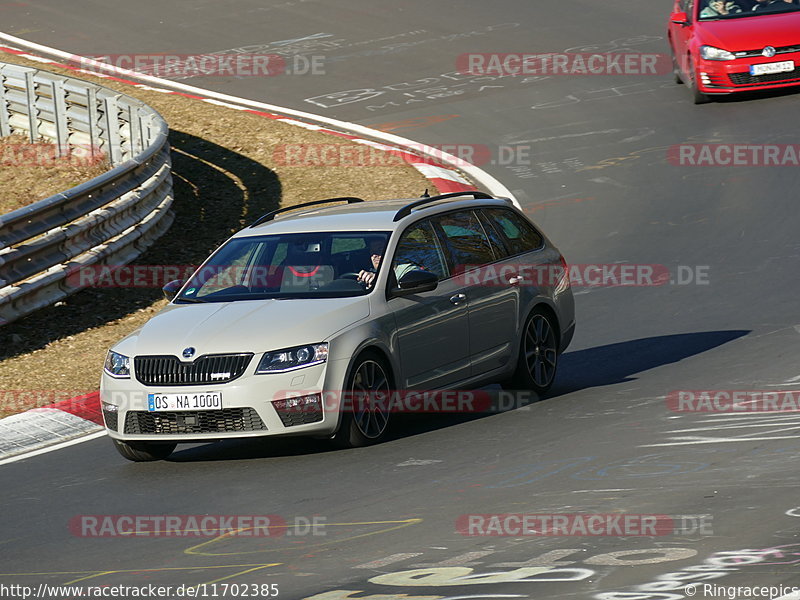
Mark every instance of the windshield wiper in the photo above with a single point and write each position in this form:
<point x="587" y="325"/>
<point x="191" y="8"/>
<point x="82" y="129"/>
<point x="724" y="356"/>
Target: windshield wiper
<point x="191" y="300"/>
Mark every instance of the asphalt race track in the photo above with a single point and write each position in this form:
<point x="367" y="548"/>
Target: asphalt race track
<point x="599" y="182"/>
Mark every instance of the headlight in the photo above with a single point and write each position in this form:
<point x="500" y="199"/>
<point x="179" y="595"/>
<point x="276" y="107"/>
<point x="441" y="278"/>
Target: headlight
<point x="117" y="365"/>
<point x="711" y="53"/>
<point x="289" y="359"/>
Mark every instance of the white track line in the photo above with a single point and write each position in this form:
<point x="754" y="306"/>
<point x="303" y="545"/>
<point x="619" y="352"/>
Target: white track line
<point x="54" y="447"/>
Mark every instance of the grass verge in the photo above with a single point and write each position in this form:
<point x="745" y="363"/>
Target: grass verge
<point x="32" y="171"/>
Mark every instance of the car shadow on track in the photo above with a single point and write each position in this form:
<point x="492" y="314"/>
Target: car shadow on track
<point x="617" y="363"/>
<point x="582" y="369"/>
<point x="755" y="95"/>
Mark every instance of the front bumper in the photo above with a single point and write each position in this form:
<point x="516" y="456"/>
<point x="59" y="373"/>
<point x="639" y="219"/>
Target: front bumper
<point x="247" y="408"/>
<point x="726" y="77"/>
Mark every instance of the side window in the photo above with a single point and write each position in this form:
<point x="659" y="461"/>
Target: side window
<point x="499" y="244"/>
<point x="419" y="249"/>
<point x="520" y="235"/>
<point x="466" y="240"/>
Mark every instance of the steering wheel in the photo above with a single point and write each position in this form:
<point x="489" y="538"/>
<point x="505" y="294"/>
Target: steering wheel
<point x="351" y="275"/>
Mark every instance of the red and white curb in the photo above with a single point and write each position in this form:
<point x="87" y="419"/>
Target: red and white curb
<point x="79" y="419"/>
<point x="43" y="427"/>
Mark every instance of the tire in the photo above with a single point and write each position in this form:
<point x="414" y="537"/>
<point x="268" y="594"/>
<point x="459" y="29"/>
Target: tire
<point x="144" y="451"/>
<point x="698" y="97"/>
<point x="365" y="417"/>
<point x="676" y="70"/>
<point x="538" y="354"/>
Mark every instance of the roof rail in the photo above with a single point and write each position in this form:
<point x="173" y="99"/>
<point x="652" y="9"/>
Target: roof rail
<point x="271" y="215"/>
<point x="406" y="210"/>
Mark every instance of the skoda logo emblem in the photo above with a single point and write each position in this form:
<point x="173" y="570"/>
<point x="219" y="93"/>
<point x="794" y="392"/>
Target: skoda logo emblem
<point x="188" y="352"/>
<point x="769" y="52"/>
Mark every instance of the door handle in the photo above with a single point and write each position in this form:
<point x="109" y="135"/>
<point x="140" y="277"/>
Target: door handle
<point x="457" y="299"/>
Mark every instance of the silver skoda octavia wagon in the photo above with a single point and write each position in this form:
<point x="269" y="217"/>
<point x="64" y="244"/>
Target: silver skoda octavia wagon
<point x="314" y="306"/>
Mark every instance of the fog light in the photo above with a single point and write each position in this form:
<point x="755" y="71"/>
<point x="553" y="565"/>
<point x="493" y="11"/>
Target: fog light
<point x="300" y="410"/>
<point x="110" y="415"/>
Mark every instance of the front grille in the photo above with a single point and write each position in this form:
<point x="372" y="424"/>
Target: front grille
<point x="202" y="421"/>
<point x="111" y="419"/>
<point x="211" y="368"/>
<point x="747" y="79"/>
<point x="756" y="53"/>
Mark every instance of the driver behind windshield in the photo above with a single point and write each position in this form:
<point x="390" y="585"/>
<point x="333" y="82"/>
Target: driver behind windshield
<point x="367" y="276"/>
<point x="719" y="8"/>
<point x="401" y="267"/>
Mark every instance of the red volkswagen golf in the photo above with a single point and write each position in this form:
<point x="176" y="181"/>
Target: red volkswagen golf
<point x="727" y="46"/>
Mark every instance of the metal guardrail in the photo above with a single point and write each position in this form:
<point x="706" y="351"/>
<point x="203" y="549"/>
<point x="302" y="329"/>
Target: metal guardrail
<point x="108" y="220"/>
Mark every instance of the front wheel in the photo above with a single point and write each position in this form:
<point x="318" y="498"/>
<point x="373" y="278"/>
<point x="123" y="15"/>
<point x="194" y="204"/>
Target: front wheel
<point x="697" y="96"/>
<point x="365" y="410"/>
<point x="676" y="70"/>
<point x="538" y="355"/>
<point x="144" y="451"/>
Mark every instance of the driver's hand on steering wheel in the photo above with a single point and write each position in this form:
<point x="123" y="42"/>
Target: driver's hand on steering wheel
<point x="366" y="277"/>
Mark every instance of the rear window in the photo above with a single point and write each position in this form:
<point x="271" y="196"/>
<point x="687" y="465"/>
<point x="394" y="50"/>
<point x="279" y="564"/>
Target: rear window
<point x="466" y="240"/>
<point x="520" y="235"/>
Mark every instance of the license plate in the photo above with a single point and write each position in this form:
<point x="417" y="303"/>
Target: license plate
<point x="193" y="401"/>
<point x="776" y="67"/>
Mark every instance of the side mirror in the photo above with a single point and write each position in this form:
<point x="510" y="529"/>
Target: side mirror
<point x="679" y="18"/>
<point x="172" y="288"/>
<point x="416" y="282"/>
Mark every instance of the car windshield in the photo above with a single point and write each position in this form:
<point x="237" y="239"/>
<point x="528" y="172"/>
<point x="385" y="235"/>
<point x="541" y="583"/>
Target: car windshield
<point x="735" y="9"/>
<point x="298" y="265"/>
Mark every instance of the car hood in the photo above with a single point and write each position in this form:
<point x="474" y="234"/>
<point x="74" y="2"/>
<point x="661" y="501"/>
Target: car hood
<point x="244" y="326"/>
<point x="752" y="33"/>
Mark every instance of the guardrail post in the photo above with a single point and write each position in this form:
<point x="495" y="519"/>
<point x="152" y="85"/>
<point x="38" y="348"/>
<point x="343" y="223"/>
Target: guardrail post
<point x="94" y="125"/>
<point x="33" y="112"/>
<point x="60" y="116"/>
<point x="135" y="128"/>
<point x="112" y="129"/>
<point x="5" y="129"/>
